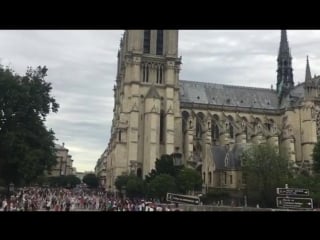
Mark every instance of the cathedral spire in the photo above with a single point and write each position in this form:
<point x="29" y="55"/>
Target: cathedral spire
<point x="284" y="72"/>
<point x="284" y="45"/>
<point x="308" y="72"/>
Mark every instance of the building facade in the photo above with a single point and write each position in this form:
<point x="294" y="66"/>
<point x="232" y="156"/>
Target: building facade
<point x="155" y="113"/>
<point x="64" y="162"/>
<point x="100" y="170"/>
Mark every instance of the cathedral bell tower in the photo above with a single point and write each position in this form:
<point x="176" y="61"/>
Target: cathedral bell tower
<point x="284" y="72"/>
<point x="149" y="104"/>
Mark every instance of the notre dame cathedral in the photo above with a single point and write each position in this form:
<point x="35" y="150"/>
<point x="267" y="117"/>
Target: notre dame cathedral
<point x="156" y="112"/>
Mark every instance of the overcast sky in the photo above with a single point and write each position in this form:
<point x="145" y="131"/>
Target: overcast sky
<point x="82" y="69"/>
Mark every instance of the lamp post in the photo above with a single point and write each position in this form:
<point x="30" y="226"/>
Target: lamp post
<point x="10" y="189"/>
<point x="177" y="159"/>
<point x="245" y="198"/>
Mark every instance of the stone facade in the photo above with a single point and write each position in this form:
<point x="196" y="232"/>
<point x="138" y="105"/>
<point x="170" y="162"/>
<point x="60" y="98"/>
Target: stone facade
<point x="64" y="165"/>
<point x="100" y="169"/>
<point x="157" y="113"/>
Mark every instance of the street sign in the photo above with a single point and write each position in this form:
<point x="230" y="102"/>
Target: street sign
<point x="293" y="191"/>
<point x="178" y="198"/>
<point x="294" y="203"/>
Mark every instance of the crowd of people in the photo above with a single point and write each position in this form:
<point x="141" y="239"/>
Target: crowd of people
<point x="62" y="199"/>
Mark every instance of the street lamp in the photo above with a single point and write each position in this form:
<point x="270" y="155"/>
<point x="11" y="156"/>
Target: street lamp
<point x="11" y="187"/>
<point x="177" y="157"/>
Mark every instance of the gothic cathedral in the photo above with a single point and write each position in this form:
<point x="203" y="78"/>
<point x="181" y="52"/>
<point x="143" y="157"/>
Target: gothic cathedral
<point x="156" y="113"/>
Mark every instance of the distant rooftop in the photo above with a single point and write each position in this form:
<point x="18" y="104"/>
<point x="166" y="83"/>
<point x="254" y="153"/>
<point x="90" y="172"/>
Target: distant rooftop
<point x="58" y="146"/>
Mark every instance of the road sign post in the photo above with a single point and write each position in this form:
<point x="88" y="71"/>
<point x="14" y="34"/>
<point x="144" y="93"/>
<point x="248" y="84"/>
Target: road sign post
<point x="294" y="203"/>
<point x="178" y="198"/>
<point x="293" y="192"/>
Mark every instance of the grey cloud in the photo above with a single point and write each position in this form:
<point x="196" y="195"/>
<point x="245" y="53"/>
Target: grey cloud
<point x="82" y="70"/>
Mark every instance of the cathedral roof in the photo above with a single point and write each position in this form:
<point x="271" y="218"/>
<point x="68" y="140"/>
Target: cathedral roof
<point x="228" y="95"/>
<point x="228" y="159"/>
<point x="295" y="97"/>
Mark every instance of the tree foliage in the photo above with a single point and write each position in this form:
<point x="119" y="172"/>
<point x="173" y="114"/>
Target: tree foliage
<point x="121" y="181"/>
<point x="311" y="182"/>
<point x="163" y="179"/>
<point x="316" y="157"/>
<point x="135" y="187"/>
<point x="26" y="145"/>
<point x="69" y="181"/>
<point x="161" y="185"/>
<point x="189" y="179"/>
<point x="91" y="180"/>
<point x="164" y="165"/>
<point x="215" y="196"/>
<point x="265" y="170"/>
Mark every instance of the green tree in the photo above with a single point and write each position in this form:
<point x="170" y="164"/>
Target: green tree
<point x="26" y="145"/>
<point x="161" y="185"/>
<point x="69" y="181"/>
<point x="265" y="170"/>
<point x="135" y="187"/>
<point x="189" y="179"/>
<point x="316" y="157"/>
<point x="121" y="181"/>
<point x="311" y="182"/>
<point x="164" y="165"/>
<point x="72" y="181"/>
<point x="151" y="176"/>
<point x="91" y="180"/>
<point x="215" y="196"/>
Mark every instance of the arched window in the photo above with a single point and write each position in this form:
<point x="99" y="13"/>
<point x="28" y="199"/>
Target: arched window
<point x="198" y="129"/>
<point x="268" y="125"/>
<point x="210" y="177"/>
<point x="215" y="132"/>
<point x="318" y="124"/>
<point x="146" y="41"/>
<point x="119" y="135"/>
<point x="145" y="72"/>
<point x="231" y="131"/>
<point x="162" y="121"/>
<point x="185" y="116"/>
<point x="159" y="42"/>
<point x="199" y="120"/>
<point x="159" y="74"/>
